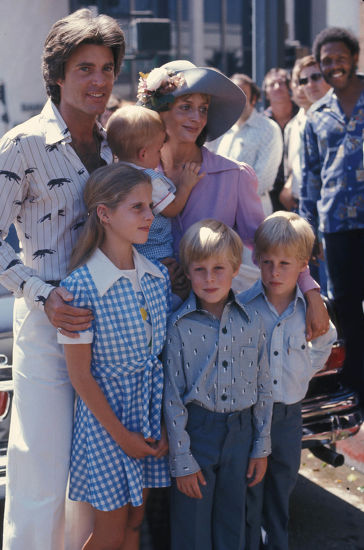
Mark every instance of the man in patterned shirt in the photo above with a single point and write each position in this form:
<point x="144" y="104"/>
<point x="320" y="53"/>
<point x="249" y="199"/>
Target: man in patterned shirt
<point x="44" y="164"/>
<point x="332" y="194"/>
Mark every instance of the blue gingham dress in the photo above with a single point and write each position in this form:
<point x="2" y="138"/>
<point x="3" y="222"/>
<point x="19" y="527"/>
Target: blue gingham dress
<point x="131" y="377"/>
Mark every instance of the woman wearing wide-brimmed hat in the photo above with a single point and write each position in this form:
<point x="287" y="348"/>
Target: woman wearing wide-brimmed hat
<point x="199" y="104"/>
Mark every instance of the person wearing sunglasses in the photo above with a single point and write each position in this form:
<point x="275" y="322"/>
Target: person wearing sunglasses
<point x="308" y="86"/>
<point x="311" y="80"/>
<point x="333" y="186"/>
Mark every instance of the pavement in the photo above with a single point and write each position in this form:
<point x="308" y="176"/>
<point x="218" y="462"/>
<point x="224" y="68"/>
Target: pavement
<point x="353" y="450"/>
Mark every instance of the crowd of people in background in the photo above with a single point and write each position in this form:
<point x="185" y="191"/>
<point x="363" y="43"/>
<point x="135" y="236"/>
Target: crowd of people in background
<point x="143" y="225"/>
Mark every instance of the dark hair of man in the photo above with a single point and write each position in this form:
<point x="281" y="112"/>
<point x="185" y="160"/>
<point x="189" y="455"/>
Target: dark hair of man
<point x="335" y="34"/>
<point x="303" y="62"/>
<point x="80" y="27"/>
<point x="273" y="72"/>
<point x="239" y="79"/>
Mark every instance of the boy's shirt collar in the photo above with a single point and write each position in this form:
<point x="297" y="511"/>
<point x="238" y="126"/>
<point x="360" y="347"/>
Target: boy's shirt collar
<point x="131" y="164"/>
<point x="192" y="305"/>
<point x="258" y="290"/>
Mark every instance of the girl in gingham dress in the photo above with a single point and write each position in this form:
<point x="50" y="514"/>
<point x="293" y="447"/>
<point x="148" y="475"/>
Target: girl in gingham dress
<point x="118" y="448"/>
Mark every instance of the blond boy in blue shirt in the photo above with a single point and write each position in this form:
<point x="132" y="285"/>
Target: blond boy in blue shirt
<point x="283" y="247"/>
<point x="218" y="396"/>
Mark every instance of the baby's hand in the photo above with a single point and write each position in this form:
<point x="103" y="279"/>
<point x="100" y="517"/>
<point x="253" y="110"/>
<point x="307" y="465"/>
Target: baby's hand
<point x="189" y="175"/>
<point x="189" y="485"/>
<point x="136" y="446"/>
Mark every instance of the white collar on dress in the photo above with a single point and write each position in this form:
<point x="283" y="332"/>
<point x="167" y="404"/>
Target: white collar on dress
<point x="104" y="273"/>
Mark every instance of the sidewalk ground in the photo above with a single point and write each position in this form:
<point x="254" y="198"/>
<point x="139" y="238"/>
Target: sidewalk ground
<point x="353" y="450"/>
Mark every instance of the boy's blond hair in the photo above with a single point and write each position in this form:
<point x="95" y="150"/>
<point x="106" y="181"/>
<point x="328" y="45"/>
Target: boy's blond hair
<point x="131" y="128"/>
<point x="207" y="238"/>
<point x="287" y="230"/>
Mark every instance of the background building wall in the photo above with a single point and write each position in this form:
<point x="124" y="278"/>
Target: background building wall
<point x="24" y="27"/>
<point x="224" y="42"/>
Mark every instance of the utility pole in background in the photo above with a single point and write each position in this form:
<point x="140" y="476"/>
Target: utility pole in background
<point x="268" y="36"/>
<point x="196" y="18"/>
<point x="223" y="26"/>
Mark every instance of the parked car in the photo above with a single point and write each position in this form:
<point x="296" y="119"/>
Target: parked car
<point x="6" y="384"/>
<point x="330" y="410"/>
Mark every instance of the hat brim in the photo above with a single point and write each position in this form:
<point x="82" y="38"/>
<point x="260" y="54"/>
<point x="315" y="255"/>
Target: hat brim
<point x="227" y="99"/>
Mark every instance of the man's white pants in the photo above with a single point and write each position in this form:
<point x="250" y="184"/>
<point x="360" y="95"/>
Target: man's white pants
<point x="40" y="440"/>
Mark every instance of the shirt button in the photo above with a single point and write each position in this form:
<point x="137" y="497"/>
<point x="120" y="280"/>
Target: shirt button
<point x="224" y="330"/>
<point x="275" y="353"/>
<point x="224" y="397"/>
<point x="303" y="346"/>
<point x="278" y="324"/>
<point x="225" y="363"/>
<point x="275" y="382"/>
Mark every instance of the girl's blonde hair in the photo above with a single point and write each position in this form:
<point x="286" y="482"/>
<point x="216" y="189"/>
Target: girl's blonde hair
<point x="287" y="230"/>
<point x="131" y="128"/>
<point x="207" y="238"/>
<point x="108" y="185"/>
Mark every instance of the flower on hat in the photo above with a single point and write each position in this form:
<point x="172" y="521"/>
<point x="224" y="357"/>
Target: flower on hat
<point x="155" y="88"/>
<point x="156" y="78"/>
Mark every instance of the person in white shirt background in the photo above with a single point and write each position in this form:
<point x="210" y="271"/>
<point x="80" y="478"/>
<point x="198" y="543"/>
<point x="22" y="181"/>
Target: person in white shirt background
<point x="307" y="86"/>
<point x="256" y="140"/>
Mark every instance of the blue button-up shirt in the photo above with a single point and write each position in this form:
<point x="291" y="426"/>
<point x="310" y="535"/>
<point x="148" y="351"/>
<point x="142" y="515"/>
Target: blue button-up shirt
<point x="220" y="365"/>
<point x="292" y="360"/>
<point x="332" y="193"/>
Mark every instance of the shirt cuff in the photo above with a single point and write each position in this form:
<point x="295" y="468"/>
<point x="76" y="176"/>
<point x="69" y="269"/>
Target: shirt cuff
<point x="37" y="291"/>
<point x="183" y="465"/>
<point x="163" y="203"/>
<point x="306" y="282"/>
<point x="261" y="447"/>
<point x="85" y="337"/>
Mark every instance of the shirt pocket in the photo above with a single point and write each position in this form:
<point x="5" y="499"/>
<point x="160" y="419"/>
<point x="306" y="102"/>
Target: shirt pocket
<point x="248" y="363"/>
<point x="297" y="343"/>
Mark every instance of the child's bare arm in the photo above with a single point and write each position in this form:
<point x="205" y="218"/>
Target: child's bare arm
<point x="190" y="484"/>
<point x="78" y="358"/>
<point x="161" y="446"/>
<point x="256" y="470"/>
<point x="188" y="178"/>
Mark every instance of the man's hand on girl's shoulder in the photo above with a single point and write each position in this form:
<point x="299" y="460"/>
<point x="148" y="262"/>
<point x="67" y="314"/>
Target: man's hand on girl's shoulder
<point x="69" y="320"/>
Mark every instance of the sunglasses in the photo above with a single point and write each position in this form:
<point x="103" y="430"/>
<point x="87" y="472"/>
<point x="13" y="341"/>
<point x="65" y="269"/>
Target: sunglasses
<point x="315" y="77"/>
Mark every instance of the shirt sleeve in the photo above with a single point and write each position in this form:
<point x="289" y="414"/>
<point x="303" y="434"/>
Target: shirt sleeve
<point x="163" y="191"/>
<point x="308" y="208"/>
<point x="269" y="158"/>
<point x="249" y="210"/>
<point x="262" y="410"/>
<point x="80" y="299"/>
<point x="320" y="348"/>
<point x="306" y="282"/>
<point x="181" y="461"/>
<point x="310" y="191"/>
<point x="14" y="275"/>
